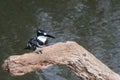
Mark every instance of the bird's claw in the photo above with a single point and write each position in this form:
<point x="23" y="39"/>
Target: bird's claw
<point x="38" y="50"/>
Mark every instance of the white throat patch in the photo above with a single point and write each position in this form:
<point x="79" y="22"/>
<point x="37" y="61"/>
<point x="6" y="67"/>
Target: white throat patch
<point x="42" y="38"/>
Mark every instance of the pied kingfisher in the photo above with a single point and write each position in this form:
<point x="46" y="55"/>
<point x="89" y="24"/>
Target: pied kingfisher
<point x="37" y="42"/>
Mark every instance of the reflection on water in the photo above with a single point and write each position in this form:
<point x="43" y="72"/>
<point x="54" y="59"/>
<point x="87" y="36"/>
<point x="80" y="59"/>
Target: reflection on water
<point x="93" y="24"/>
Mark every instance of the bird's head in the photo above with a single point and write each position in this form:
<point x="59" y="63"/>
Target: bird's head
<point x="43" y="33"/>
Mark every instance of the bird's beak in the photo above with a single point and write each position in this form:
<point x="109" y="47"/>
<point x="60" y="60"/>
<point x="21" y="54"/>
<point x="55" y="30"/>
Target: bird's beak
<point x="50" y="36"/>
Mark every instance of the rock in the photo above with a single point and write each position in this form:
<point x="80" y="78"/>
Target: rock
<point x="82" y="62"/>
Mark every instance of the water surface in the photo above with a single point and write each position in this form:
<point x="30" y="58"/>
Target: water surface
<point x="94" y="24"/>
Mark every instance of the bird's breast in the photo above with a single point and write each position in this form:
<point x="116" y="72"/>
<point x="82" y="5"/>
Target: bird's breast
<point x="42" y="38"/>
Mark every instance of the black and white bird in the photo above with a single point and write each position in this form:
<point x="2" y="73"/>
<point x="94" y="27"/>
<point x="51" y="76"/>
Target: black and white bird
<point x="38" y="41"/>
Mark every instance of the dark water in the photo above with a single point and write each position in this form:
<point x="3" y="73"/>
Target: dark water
<point x="94" y="24"/>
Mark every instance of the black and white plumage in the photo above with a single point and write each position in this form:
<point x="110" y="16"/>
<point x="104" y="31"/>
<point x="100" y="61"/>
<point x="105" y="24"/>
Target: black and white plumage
<point x="38" y="41"/>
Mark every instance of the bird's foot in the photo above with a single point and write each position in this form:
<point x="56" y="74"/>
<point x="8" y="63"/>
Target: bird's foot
<point x="38" y="50"/>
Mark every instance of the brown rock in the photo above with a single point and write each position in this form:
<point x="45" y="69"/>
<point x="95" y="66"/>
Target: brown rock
<point x="82" y="62"/>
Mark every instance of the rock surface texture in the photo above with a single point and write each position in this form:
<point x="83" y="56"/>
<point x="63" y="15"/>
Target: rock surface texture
<point x="82" y="62"/>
